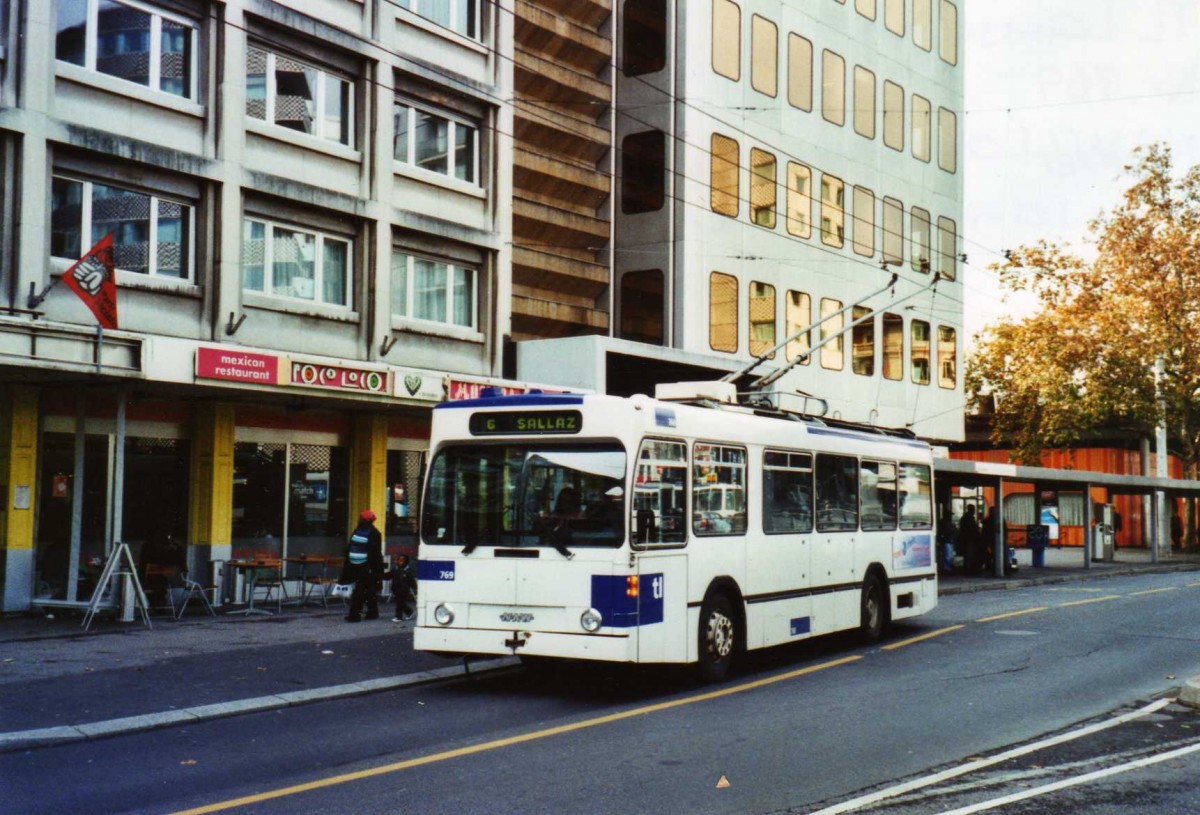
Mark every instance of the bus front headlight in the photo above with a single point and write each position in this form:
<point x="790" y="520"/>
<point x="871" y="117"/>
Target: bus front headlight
<point x="591" y="620"/>
<point x="443" y="614"/>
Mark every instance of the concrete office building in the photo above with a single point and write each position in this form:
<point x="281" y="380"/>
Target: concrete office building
<point x="310" y="205"/>
<point x="775" y="164"/>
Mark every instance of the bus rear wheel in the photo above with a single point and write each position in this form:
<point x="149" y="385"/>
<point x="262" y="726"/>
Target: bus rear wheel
<point x="718" y="637"/>
<point x="874" y="609"/>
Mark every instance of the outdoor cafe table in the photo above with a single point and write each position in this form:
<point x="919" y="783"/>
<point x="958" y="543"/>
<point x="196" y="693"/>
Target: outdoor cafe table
<point x="253" y="567"/>
<point x="305" y="561"/>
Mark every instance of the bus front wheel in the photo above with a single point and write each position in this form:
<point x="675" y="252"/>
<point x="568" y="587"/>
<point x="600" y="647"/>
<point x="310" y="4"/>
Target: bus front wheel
<point x="718" y="637"/>
<point x="874" y="609"/>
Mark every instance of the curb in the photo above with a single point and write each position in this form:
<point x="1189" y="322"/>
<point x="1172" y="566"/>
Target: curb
<point x="63" y="734"/>
<point x="1009" y="584"/>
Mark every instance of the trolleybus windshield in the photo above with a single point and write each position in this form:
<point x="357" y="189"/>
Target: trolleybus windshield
<point x="526" y="494"/>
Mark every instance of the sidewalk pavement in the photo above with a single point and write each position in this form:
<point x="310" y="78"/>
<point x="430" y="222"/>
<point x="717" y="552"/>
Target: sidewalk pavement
<point x="59" y="683"/>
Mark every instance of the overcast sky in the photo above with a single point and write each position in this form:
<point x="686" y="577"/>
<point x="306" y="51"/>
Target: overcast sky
<point x="1058" y="94"/>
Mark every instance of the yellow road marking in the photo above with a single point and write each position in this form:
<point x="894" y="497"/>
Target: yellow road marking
<point x="1154" y="591"/>
<point x="1011" y="614"/>
<point x="345" y="778"/>
<point x="893" y="646"/>
<point x="1090" y="600"/>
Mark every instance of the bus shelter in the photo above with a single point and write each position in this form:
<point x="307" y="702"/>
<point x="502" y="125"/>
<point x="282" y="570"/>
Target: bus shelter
<point x="951" y="473"/>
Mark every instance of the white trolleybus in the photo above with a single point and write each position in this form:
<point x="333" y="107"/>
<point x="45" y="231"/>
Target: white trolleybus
<point x="681" y="529"/>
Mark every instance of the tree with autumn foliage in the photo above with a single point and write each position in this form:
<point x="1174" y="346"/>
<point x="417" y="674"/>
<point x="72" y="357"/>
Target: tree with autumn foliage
<point x="1084" y="362"/>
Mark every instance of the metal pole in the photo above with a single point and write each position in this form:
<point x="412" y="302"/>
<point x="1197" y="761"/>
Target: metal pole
<point x="1163" y="531"/>
<point x="118" y="497"/>
<point x="1089" y="534"/>
<point x="1001" y="537"/>
<point x="77" y="498"/>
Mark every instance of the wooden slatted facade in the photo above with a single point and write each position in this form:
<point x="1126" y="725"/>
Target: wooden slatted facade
<point x="561" y="168"/>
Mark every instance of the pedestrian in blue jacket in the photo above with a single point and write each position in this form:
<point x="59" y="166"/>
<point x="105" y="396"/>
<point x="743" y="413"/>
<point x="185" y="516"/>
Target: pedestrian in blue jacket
<point x="364" y="567"/>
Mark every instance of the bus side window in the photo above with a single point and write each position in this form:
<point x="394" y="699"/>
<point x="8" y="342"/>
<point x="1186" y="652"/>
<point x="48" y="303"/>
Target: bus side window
<point x="916" y="497"/>
<point x="718" y="490"/>
<point x="787" y="492"/>
<point x="837" y="493"/>
<point x="659" y="492"/>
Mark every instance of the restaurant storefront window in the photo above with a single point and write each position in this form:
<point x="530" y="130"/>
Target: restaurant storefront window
<point x="289" y="499"/>
<point x="154" y="506"/>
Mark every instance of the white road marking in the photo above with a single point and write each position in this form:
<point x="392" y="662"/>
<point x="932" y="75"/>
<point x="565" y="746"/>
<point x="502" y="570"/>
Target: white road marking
<point x="970" y="767"/>
<point x="1074" y="782"/>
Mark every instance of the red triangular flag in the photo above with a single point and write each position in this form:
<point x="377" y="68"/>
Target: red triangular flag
<point x="94" y="279"/>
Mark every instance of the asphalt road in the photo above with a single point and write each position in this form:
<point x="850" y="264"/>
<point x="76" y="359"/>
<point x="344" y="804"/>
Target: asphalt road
<point x="795" y="730"/>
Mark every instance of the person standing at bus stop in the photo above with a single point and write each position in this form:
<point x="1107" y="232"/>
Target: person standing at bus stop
<point x="364" y="567"/>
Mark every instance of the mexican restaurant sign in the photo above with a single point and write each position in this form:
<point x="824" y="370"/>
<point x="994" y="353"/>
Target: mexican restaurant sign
<point x="268" y="369"/>
<point x="237" y="366"/>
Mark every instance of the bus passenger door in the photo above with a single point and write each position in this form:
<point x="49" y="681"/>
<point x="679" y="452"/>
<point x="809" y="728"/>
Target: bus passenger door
<point x="778" y="570"/>
<point x="832" y="574"/>
<point x="662" y="607"/>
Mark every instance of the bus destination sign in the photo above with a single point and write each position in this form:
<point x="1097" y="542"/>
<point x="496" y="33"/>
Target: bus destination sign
<point x="526" y="422"/>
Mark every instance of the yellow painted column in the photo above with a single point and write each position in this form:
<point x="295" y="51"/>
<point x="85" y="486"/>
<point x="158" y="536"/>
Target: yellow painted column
<point x="210" y="521"/>
<point x="18" y="468"/>
<point x="368" y="468"/>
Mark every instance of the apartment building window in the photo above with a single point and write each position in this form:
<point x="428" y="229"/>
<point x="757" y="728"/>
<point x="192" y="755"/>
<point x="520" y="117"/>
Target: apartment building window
<point x="644" y="46"/>
<point x="832" y="350"/>
<point x="948" y="31"/>
<point x="152" y="234"/>
<point x="921" y="127"/>
<point x="722" y="312"/>
<point x="947" y="248"/>
<point x="762" y="318"/>
<point x="862" y="342"/>
<point x="643" y="172"/>
<point x="864" y="222"/>
<point x="461" y="16"/>
<point x="833" y="211"/>
<point x="947" y="357"/>
<point x="923" y="24"/>
<point x="799" y="200"/>
<point x="293" y="262"/>
<point x="797" y="314"/>
<point x="435" y="142"/>
<point x="893" y="16"/>
<point x="833" y="88"/>
<point x="764" y="56"/>
<point x="893" y="231"/>
<point x="866" y="8"/>
<point x="922" y="257"/>
<point x="132" y="41"/>
<point x="918" y="349"/>
<point x="434" y="291"/>
<point x="864" y="102"/>
<point x="947" y="140"/>
<point x="299" y="96"/>
<point x="800" y="76"/>
<point x="723" y="175"/>
<point x="893" y="347"/>
<point x="642" y="306"/>
<point x="893" y="115"/>
<point x="763" y="188"/>
<point x="727" y="39"/>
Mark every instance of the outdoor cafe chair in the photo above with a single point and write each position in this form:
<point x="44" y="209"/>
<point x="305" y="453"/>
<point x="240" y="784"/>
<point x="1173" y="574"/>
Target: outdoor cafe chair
<point x="320" y="583"/>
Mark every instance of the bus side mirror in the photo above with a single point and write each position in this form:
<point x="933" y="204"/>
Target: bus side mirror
<point x="644" y="529"/>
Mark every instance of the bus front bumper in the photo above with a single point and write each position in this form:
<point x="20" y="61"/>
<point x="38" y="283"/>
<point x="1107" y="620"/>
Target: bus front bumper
<point x="599" y="646"/>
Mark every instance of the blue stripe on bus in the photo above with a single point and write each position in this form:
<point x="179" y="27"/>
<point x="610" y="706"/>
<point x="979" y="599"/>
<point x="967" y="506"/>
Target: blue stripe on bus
<point x="610" y="596"/>
<point x="435" y="570"/>
<point x="853" y="434"/>
<point x="517" y="400"/>
<point x="801" y="625"/>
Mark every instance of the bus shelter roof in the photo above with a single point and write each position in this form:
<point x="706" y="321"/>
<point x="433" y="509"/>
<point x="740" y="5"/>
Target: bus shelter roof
<point x="961" y="472"/>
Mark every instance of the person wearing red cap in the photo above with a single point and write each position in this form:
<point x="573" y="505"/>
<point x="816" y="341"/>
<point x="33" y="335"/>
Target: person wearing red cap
<point x="364" y="567"/>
